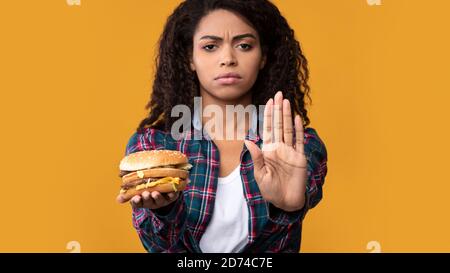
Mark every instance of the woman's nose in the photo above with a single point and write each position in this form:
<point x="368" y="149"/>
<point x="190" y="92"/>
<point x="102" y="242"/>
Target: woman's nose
<point x="228" y="63"/>
<point x="227" y="58"/>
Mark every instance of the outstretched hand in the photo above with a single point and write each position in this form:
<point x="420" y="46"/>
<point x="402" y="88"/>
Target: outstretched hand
<point x="280" y="168"/>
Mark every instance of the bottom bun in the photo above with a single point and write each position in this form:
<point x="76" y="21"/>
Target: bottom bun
<point x="162" y="188"/>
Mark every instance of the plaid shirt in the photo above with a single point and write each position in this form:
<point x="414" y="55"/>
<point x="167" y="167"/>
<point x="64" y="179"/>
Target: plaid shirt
<point x="180" y="229"/>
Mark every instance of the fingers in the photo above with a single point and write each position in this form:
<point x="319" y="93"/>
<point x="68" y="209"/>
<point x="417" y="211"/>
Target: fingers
<point x="288" y="133"/>
<point x="148" y="201"/>
<point x="278" y="118"/>
<point x="160" y="201"/>
<point x="278" y="125"/>
<point x="153" y="200"/>
<point x="136" y="201"/>
<point x="121" y="199"/>
<point x="299" y="135"/>
<point x="267" y="127"/>
<point x="257" y="157"/>
<point x="170" y="197"/>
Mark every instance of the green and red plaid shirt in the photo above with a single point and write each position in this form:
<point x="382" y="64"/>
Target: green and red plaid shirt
<point x="270" y="228"/>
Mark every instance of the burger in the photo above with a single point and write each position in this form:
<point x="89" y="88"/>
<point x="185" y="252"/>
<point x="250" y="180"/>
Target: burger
<point x="156" y="170"/>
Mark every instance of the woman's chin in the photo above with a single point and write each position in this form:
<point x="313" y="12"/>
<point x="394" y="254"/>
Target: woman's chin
<point x="228" y="93"/>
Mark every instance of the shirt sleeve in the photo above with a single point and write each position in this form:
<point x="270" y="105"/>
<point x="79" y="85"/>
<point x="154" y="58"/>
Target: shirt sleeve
<point x="316" y="155"/>
<point x="158" y="231"/>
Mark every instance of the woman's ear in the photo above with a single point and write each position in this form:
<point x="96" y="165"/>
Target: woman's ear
<point x="191" y="64"/>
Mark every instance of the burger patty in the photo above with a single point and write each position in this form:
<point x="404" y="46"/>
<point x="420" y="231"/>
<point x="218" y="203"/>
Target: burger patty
<point x="122" y="173"/>
<point x="134" y="183"/>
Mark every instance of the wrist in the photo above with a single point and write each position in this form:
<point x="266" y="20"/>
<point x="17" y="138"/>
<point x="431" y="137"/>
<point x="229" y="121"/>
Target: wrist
<point x="290" y="206"/>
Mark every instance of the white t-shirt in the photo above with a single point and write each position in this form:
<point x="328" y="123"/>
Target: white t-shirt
<point x="227" y="230"/>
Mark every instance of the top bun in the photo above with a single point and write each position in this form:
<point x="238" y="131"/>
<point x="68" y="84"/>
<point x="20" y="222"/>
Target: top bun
<point x="151" y="159"/>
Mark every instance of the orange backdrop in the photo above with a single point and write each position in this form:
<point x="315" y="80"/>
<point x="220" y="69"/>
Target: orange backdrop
<point x="75" y="79"/>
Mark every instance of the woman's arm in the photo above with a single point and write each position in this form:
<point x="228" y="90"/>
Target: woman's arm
<point x="159" y="222"/>
<point x="160" y="229"/>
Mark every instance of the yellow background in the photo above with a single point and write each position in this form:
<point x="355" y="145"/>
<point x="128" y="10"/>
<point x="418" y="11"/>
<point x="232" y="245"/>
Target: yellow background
<point x="75" y="79"/>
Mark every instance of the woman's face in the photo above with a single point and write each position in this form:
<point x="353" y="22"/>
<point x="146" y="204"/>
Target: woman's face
<point x="224" y="43"/>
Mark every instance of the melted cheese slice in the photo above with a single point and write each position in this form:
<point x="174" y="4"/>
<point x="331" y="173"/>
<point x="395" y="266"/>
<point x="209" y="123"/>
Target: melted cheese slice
<point x="169" y="179"/>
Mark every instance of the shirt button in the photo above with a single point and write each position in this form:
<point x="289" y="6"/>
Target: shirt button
<point x="251" y="202"/>
<point x="244" y="171"/>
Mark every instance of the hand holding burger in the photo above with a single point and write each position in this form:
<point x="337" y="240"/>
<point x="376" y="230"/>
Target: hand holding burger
<point x="153" y="179"/>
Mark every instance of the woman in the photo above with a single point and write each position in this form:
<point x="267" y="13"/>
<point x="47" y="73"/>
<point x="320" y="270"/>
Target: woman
<point x="244" y="195"/>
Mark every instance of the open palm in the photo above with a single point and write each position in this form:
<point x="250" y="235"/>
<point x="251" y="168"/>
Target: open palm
<point x="280" y="167"/>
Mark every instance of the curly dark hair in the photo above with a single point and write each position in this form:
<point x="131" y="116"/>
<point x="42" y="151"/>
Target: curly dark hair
<point x="175" y="83"/>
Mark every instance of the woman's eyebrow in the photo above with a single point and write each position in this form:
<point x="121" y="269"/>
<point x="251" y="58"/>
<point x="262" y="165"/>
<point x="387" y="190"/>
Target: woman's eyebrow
<point x="238" y="37"/>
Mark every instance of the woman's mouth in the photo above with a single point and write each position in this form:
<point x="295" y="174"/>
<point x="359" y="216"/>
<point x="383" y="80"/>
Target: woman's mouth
<point x="228" y="78"/>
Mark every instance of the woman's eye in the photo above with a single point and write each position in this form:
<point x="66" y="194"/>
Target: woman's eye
<point x="245" y="46"/>
<point x="209" y="47"/>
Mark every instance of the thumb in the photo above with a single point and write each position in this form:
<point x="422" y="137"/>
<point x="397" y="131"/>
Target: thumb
<point x="120" y="199"/>
<point x="257" y="156"/>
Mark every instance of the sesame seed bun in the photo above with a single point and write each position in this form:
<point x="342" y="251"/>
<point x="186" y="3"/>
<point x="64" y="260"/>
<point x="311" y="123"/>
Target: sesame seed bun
<point x="151" y="159"/>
